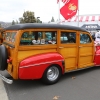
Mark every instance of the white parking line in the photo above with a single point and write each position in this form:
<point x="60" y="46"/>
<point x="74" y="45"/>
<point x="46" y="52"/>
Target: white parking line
<point x="3" y="94"/>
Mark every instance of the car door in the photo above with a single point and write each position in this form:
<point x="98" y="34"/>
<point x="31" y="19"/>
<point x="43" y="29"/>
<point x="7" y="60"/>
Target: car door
<point x="86" y="50"/>
<point x="68" y="48"/>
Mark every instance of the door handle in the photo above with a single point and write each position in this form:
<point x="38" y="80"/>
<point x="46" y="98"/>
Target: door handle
<point x="61" y="47"/>
<point x="80" y="46"/>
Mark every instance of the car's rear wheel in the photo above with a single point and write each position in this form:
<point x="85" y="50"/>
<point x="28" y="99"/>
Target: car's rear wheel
<point x="3" y="57"/>
<point x="52" y="74"/>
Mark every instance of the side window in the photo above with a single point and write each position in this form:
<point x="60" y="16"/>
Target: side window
<point x="84" y="38"/>
<point x="9" y="36"/>
<point x="13" y="35"/>
<point x="51" y="37"/>
<point x="68" y="37"/>
<point x="25" y="39"/>
<point x="38" y="38"/>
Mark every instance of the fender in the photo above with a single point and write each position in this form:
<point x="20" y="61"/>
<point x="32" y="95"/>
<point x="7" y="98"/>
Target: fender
<point x="97" y="56"/>
<point x="33" y="67"/>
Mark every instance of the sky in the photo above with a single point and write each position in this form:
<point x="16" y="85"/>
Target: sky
<point x="45" y="9"/>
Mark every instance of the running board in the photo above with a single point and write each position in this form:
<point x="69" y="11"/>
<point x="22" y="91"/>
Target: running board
<point x="6" y="79"/>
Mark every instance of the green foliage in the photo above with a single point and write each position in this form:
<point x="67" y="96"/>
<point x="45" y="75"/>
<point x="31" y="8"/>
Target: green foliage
<point x="16" y="22"/>
<point x="13" y="22"/>
<point x="28" y="17"/>
<point x="38" y="20"/>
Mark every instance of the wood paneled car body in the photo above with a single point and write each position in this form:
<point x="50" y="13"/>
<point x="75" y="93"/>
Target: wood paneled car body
<point x="1" y="35"/>
<point x="46" y="51"/>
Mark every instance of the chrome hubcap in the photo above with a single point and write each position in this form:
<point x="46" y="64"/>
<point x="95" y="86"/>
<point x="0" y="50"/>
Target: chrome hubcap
<point x="52" y="73"/>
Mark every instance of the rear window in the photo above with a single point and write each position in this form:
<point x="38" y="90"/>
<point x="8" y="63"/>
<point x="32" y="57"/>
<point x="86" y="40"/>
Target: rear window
<point x="10" y="36"/>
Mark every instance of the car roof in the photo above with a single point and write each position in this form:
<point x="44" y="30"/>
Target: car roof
<point x="42" y="26"/>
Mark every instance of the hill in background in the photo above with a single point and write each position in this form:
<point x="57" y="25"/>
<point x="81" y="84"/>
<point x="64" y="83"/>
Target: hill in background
<point x="5" y="24"/>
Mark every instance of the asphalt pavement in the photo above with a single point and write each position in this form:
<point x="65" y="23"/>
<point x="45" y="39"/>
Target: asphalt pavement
<point x="80" y="85"/>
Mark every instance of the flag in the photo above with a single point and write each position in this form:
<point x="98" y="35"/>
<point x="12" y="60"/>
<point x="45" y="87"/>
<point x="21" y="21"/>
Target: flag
<point x="69" y="9"/>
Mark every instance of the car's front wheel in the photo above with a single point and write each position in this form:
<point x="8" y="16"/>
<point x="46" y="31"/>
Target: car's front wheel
<point x="52" y="74"/>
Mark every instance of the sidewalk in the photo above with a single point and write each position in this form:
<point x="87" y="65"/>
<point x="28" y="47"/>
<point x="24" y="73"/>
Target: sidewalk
<point x="3" y="94"/>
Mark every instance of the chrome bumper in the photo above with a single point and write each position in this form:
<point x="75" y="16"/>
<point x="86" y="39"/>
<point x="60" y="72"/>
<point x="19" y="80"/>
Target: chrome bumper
<point x="6" y="79"/>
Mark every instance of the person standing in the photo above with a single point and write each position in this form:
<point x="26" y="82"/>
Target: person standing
<point x="97" y="36"/>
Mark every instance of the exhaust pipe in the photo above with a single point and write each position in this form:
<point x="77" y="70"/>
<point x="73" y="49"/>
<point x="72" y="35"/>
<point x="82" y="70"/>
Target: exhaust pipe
<point x="6" y="79"/>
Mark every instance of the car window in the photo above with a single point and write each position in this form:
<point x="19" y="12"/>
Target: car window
<point x="68" y="37"/>
<point x="10" y="36"/>
<point x="38" y="38"/>
<point x="84" y="38"/>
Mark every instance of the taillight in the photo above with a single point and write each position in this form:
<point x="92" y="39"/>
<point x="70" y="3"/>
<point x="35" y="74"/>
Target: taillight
<point x="9" y="60"/>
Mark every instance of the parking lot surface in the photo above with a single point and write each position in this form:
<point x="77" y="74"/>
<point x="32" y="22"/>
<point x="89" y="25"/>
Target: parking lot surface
<point x="80" y="85"/>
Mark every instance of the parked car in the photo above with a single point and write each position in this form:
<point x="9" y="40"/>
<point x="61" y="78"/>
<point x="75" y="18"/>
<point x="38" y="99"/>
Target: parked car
<point x="46" y="51"/>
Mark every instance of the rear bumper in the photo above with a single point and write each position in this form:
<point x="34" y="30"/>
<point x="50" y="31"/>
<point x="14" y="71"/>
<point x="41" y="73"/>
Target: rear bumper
<point x="6" y="79"/>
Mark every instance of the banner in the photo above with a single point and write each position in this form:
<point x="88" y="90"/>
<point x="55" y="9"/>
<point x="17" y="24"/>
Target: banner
<point x="64" y="1"/>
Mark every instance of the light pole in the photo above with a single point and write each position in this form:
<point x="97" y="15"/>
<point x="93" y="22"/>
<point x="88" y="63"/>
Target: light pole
<point x="37" y="19"/>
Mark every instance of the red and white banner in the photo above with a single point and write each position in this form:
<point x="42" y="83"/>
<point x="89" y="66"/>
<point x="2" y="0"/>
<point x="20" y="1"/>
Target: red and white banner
<point x="83" y="18"/>
<point x="64" y="1"/>
<point x="69" y="9"/>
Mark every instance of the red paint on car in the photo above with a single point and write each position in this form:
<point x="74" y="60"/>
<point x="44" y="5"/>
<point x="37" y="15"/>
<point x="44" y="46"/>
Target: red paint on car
<point x="97" y="56"/>
<point x="33" y="67"/>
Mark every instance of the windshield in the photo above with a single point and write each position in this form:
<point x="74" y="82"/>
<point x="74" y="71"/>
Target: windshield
<point x="10" y="36"/>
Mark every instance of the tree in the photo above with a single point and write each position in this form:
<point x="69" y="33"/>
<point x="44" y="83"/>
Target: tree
<point x="13" y="22"/>
<point x="28" y="17"/>
<point x="49" y="22"/>
<point x="16" y="22"/>
<point x="52" y="20"/>
<point x="38" y="20"/>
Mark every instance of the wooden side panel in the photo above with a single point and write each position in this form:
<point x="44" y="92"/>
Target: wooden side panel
<point x="24" y="54"/>
<point x="70" y="56"/>
<point x="86" y="54"/>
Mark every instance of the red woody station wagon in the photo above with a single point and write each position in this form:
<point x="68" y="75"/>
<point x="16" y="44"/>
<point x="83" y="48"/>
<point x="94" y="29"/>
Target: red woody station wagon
<point x="46" y="51"/>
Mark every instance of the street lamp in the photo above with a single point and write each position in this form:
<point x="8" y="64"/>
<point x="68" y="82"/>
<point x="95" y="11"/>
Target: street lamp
<point x="37" y="19"/>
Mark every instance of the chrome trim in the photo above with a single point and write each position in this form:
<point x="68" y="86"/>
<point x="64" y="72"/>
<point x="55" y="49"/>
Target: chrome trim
<point x="40" y="64"/>
<point x="97" y="65"/>
<point x="80" y="46"/>
<point x="6" y="79"/>
<point x="97" y="54"/>
<point x="61" y="47"/>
